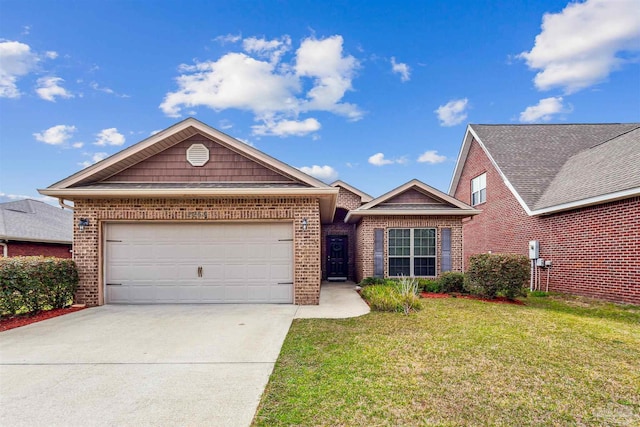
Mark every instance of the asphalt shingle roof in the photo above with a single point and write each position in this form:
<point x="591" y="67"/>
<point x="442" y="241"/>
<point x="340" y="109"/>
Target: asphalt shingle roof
<point x="31" y="220"/>
<point x="554" y="164"/>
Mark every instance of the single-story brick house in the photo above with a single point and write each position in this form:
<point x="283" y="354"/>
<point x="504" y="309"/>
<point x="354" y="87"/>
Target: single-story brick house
<point x="30" y="227"/>
<point x="574" y="188"/>
<point x="192" y="215"/>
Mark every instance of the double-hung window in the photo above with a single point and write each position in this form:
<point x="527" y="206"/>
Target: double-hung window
<point x="479" y="189"/>
<point x="412" y="252"/>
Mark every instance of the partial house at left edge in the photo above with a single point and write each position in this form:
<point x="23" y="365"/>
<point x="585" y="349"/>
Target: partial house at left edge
<point x="192" y="215"/>
<point x="30" y="228"/>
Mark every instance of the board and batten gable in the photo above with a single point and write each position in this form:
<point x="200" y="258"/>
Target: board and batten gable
<point x="224" y="165"/>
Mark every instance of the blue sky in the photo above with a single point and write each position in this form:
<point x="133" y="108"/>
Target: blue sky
<point x="374" y="93"/>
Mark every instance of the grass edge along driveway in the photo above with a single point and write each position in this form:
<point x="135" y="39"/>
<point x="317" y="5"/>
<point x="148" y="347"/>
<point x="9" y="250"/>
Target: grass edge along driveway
<point x="556" y="361"/>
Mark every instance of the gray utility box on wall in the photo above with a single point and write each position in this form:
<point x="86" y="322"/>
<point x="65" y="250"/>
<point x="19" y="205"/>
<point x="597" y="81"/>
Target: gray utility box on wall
<point x="534" y="249"/>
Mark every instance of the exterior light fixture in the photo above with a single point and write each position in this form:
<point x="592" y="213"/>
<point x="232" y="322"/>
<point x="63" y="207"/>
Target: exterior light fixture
<point x="304" y="223"/>
<point x="84" y="222"/>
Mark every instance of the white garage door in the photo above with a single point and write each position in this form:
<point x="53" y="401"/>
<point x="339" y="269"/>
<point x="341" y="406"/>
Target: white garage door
<point x="199" y="263"/>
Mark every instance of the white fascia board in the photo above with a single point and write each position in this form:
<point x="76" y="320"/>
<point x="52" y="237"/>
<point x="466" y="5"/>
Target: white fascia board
<point x="364" y="197"/>
<point x="588" y="202"/>
<point x="457" y="171"/>
<point x="70" y="193"/>
<point x="408" y="212"/>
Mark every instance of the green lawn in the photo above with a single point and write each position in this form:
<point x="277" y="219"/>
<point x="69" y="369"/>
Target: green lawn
<point x="555" y="361"/>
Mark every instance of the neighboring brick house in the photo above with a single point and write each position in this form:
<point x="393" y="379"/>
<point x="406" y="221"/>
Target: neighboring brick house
<point x="29" y="227"/>
<point x="191" y="215"/>
<point x="575" y="188"/>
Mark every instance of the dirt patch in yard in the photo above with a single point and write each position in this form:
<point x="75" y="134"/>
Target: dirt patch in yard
<point x="7" y="323"/>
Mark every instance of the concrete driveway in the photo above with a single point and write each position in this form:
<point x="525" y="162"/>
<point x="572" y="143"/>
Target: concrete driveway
<point x="190" y="365"/>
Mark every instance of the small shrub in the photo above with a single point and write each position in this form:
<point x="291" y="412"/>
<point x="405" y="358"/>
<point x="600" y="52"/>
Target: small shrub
<point x="367" y="281"/>
<point x="397" y="298"/>
<point x="430" y="285"/>
<point x="452" y="281"/>
<point x="491" y="274"/>
<point x="381" y="297"/>
<point x="32" y="284"/>
<point x="408" y="290"/>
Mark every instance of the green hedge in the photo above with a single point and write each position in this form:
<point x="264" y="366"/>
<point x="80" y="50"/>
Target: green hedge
<point x="490" y="275"/>
<point x="31" y="284"/>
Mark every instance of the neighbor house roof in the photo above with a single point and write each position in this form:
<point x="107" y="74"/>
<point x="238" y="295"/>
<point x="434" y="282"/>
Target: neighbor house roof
<point x="412" y="199"/>
<point x="556" y="167"/>
<point x="94" y="180"/>
<point x="33" y="221"/>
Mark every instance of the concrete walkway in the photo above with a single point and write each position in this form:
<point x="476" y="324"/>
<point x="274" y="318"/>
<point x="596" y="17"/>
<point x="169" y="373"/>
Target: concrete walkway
<point x="145" y="365"/>
<point x="338" y="300"/>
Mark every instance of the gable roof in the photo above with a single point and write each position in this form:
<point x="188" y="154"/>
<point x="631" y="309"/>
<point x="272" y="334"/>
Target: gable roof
<point x="435" y="203"/>
<point x="33" y="221"/>
<point x="364" y="197"/>
<point x="555" y="167"/>
<point x="93" y="181"/>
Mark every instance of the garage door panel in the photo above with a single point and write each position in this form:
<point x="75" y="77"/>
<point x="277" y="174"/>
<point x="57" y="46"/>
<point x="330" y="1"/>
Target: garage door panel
<point x="158" y="263"/>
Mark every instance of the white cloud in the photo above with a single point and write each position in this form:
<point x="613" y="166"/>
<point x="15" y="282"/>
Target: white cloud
<point x="432" y="157"/>
<point x="16" y="60"/>
<point x="11" y="197"/>
<point x="51" y="54"/>
<point x="95" y="158"/>
<point x="77" y="144"/>
<point x="379" y="160"/>
<point x="453" y="112"/>
<point x="543" y="111"/>
<point x="287" y="127"/>
<point x="96" y="86"/>
<point x="274" y="90"/>
<point x="324" y="173"/>
<point x="50" y="87"/>
<point x="323" y="61"/>
<point x="579" y="46"/>
<point x="153" y="132"/>
<point x="228" y="38"/>
<point x="56" y="135"/>
<point x="109" y="136"/>
<point x="401" y="68"/>
<point x="272" y="49"/>
<point x="233" y="81"/>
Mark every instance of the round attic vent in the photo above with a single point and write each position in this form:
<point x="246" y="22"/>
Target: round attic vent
<point x="197" y="155"/>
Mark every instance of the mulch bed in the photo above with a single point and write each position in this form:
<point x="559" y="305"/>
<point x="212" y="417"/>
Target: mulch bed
<point x="498" y="300"/>
<point x="27" y="319"/>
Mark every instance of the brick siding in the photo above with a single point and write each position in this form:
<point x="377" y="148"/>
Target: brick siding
<point x="33" y="249"/>
<point x="306" y="243"/>
<point x="346" y="202"/>
<point x="595" y="250"/>
<point x="365" y="239"/>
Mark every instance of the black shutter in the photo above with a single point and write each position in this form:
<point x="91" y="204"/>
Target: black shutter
<point x="378" y="252"/>
<point x="445" y="243"/>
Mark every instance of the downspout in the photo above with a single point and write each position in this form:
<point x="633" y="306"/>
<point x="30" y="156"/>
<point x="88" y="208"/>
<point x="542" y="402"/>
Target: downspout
<point x="5" y="249"/>
<point x="64" y="205"/>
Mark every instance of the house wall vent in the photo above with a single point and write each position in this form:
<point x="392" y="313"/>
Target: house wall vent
<point x="197" y="155"/>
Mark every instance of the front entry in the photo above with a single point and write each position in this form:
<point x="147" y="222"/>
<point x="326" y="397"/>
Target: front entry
<point x="337" y="258"/>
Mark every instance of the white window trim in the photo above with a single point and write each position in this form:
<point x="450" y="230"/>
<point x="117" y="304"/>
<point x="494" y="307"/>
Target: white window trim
<point x="411" y="250"/>
<point x="480" y="179"/>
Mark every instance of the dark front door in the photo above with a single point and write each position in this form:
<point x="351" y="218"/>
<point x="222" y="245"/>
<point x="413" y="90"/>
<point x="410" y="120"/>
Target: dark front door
<point x="337" y="257"/>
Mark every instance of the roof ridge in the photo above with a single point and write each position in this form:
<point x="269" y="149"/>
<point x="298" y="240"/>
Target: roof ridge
<point x="615" y="137"/>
